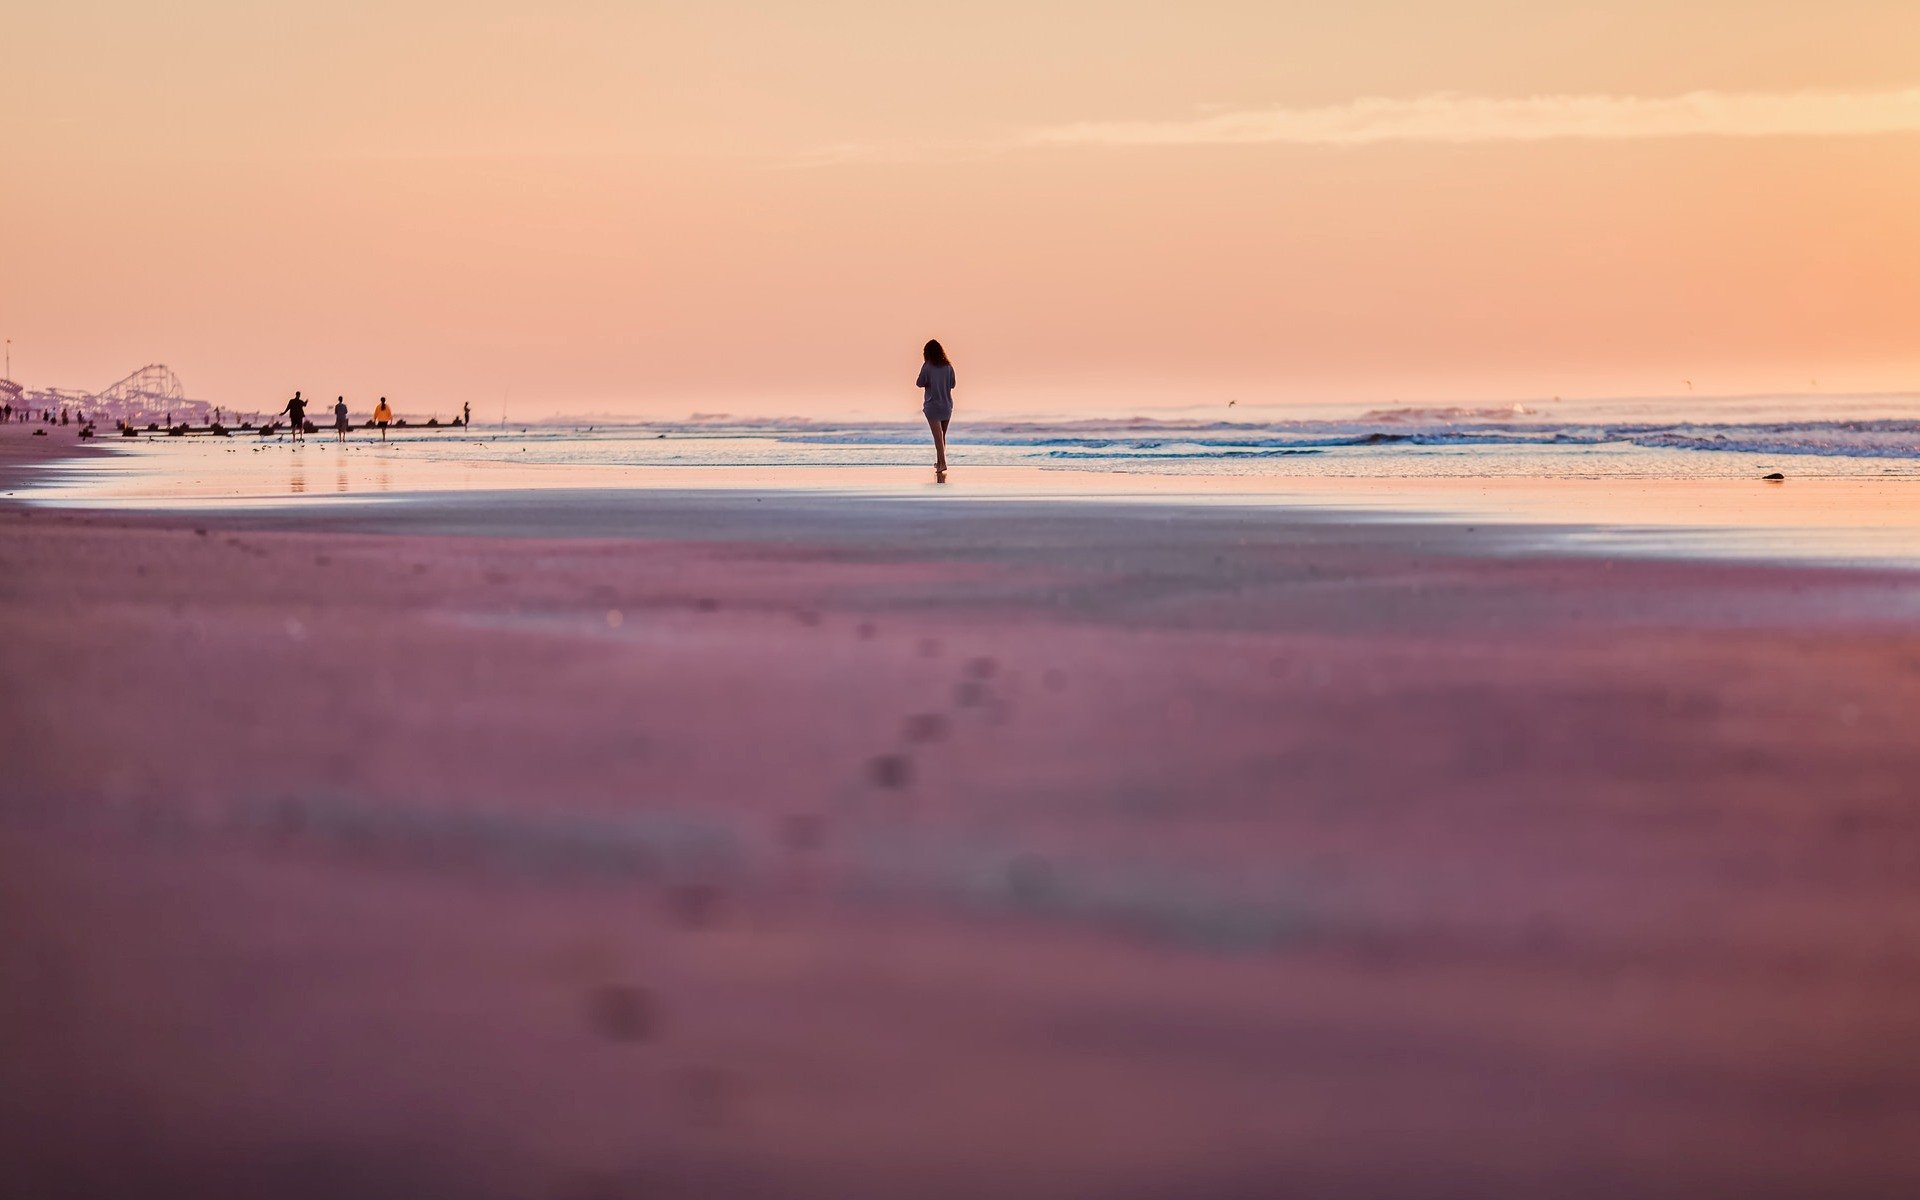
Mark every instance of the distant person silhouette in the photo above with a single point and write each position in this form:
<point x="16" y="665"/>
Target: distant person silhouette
<point x="340" y="417"/>
<point x="466" y="416"/>
<point x="936" y="380"/>
<point x="296" y="412"/>
<point x="383" y="417"/>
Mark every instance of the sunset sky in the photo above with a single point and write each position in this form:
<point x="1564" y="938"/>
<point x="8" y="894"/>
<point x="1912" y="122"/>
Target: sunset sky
<point x="656" y="208"/>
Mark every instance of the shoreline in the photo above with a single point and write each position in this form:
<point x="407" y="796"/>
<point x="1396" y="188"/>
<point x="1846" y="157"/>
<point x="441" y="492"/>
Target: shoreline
<point x="587" y="844"/>
<point x="1813" y="520"/>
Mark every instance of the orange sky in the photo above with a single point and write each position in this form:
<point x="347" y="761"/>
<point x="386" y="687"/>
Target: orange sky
<point x="659" y="208"/>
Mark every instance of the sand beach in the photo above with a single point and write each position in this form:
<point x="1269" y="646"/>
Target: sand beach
<point x="599" y="843"/>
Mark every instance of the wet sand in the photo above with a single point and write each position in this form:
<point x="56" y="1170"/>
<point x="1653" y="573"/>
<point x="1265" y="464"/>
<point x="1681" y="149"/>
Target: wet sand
<point x="595" y="844"/>
<point x="1851" y="512"/>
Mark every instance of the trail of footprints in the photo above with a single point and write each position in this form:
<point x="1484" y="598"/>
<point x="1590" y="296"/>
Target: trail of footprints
<point x="630" y="1014"/>
<point x="895" y="769"/>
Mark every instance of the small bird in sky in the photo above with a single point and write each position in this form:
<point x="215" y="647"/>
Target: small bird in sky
<point x="1689" y="383"/>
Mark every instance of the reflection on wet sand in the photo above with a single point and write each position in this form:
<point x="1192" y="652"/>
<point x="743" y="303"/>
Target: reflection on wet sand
<point x="1837" y="518"/>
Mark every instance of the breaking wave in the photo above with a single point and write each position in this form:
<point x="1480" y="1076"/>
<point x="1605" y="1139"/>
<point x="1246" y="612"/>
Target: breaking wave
<point x="1893" y="439"/>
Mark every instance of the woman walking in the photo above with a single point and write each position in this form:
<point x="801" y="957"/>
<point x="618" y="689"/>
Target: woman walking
<point x="382" y="417"/>
<point x="936" y="379"/>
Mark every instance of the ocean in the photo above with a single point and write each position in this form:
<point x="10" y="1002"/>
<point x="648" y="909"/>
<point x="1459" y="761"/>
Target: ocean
<point x="1693" y="468"/>
<point x="1729" y="438"/>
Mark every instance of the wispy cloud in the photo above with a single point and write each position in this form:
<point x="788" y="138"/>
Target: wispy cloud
<point x="1450" y="117"/>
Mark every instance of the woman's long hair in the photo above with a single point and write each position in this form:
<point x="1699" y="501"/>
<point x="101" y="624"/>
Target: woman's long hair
<point x="936" y="354"/>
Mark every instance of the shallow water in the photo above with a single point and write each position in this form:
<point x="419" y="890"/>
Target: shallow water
<point x="1631" y="476"/>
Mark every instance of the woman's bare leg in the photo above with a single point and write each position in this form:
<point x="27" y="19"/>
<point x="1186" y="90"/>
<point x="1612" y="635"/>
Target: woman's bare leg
<point x="939" y="429"/>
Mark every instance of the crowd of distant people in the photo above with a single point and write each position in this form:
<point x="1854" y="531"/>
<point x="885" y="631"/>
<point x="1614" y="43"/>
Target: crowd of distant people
<point x="295" y="412"/>
<point x="46" y="416"/>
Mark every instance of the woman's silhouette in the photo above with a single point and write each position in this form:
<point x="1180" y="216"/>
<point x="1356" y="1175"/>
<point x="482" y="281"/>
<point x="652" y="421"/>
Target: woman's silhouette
<point x="936" y="378"/>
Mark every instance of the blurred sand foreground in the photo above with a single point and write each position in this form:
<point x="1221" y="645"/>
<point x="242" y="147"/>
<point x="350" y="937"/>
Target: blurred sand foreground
<point x="592" y="845"/>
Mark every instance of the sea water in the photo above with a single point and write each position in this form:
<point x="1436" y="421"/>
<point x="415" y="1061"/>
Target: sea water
<point x="1724" y="438"/>
<point x="1693" y="467"/>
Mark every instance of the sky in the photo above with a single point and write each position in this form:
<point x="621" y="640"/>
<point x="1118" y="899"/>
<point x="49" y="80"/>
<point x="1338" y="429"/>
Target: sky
<point x="652" y="209"/>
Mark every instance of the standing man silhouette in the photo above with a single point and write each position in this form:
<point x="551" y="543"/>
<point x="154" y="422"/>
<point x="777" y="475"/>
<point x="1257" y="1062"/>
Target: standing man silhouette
<point x="296" y="411"/>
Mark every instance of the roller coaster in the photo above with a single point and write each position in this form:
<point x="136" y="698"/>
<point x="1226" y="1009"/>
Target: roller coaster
<point x="152" y="393"/>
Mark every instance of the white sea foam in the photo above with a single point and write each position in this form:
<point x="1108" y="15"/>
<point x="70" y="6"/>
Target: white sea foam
<point x="1250" y="447"/>
<point x="1378" y="435"/>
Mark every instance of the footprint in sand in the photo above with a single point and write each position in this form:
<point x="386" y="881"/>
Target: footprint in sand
<point x="621" y="1013"/>
<point x="695" y="905"/>
<point x="891" y="770"/>
<point x="926" y="727"/>
<point x="707" y="1096"/>
<point x="800" y="832"/>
